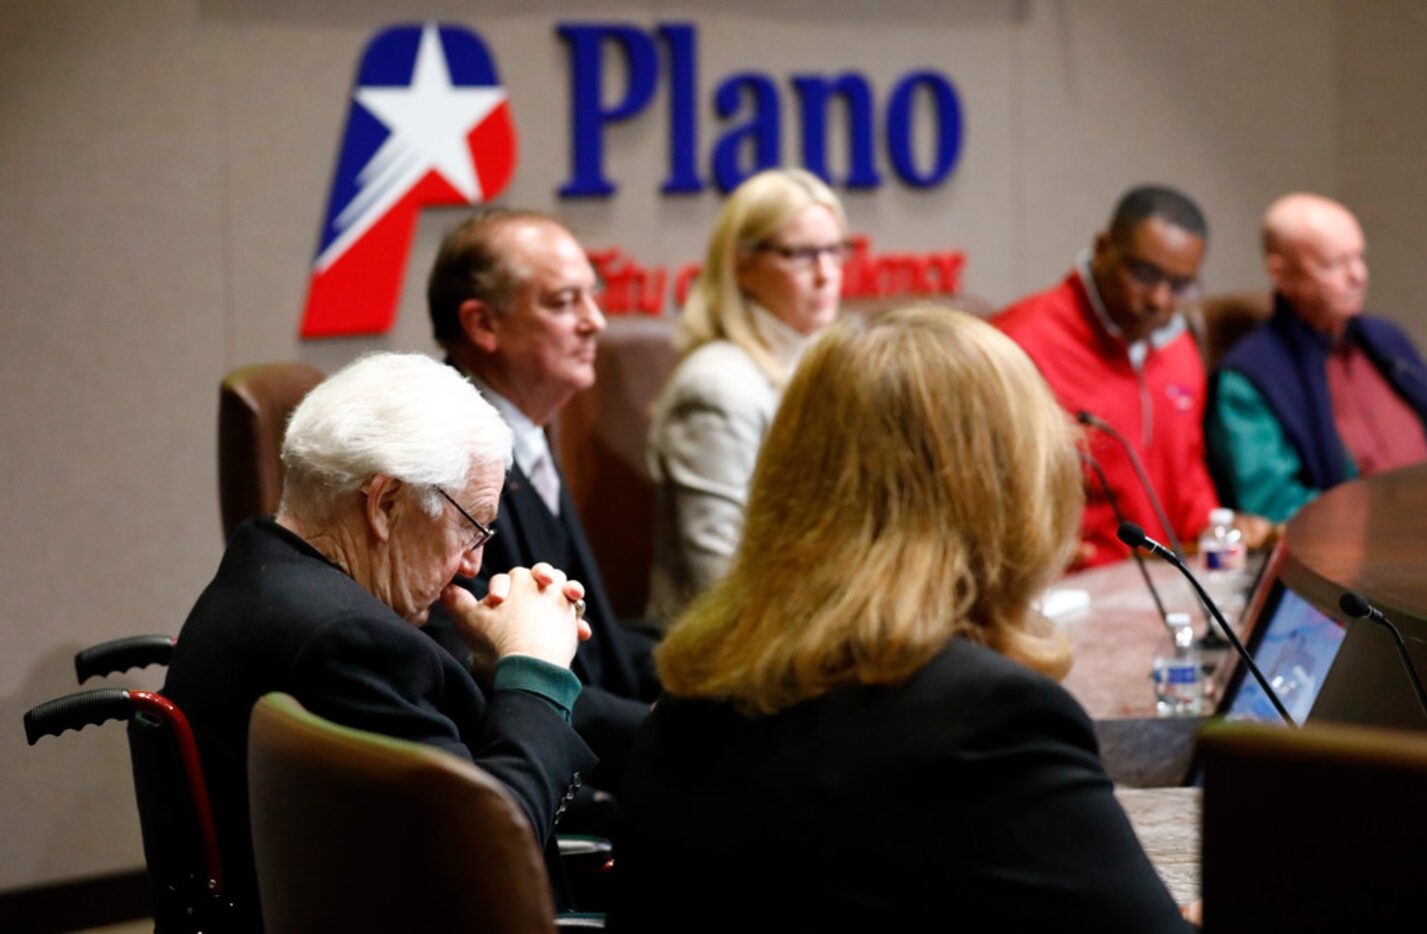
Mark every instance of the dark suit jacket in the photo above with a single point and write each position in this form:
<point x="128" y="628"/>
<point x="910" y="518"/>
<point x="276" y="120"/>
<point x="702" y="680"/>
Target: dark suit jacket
<point x="615" y="665"/>
<point x="280" y="617"/>
<point x="969" y="798"/>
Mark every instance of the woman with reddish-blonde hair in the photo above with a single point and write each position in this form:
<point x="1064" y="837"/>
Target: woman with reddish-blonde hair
<point x="862" y="728"/>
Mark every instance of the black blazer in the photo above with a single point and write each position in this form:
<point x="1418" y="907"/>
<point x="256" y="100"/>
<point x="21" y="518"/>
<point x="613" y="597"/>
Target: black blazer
<point x="615" y="665"/>
<point x="970" y="798"/>
<point x="279" y="617"/>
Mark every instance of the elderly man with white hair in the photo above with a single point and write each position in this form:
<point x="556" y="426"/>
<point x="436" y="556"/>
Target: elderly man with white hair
<point x="1322" y="392"/>
<point x="394" y="468"/>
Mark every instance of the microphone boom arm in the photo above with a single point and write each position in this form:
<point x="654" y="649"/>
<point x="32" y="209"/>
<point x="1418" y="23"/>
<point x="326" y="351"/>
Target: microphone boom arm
<point x="1356" y="606"/>
<point x="1095" y="421"/>
<point x="1094" y="465"/>
<point x="1135" y="537"/>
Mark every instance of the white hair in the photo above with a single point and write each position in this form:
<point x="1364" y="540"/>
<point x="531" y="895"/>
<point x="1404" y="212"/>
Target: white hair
<point x="402" y="415"/>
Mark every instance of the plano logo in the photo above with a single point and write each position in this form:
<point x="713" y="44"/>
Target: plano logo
<point x="429" y="124"/>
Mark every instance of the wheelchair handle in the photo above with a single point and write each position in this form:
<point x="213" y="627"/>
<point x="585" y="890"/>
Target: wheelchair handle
<point x="122" y="654"/>
<point x="77" y="711"/>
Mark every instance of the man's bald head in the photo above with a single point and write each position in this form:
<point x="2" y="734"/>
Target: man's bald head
<point x="1316" y="256"/>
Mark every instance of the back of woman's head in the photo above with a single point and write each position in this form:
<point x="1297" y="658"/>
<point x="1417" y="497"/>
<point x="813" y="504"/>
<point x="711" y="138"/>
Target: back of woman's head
<point x="754" y="213"/>
<point x="919" y="482"/>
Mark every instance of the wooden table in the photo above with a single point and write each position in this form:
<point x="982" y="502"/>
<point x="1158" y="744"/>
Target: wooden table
<point x="1370" y="536"/>
<point x="1167" y="822"/>
<point x="1116" y="636"/>
<point x="1367" y="535"/>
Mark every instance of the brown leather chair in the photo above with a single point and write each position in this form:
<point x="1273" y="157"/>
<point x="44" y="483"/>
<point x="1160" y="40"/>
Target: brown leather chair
<point x="254" y="403"/>
<point x="1222" y="320"/>
<point x="1319" y="829"/>
<point x="602" y="435"/>
<point x="353" y="831"/>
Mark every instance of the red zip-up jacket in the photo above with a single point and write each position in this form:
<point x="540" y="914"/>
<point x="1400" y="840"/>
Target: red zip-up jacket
<point x="1159" y="409"/>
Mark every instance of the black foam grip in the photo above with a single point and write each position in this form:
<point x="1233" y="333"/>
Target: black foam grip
<point x="122" y="654"/>
<point x="77" y="711"/>
<point x="1355" y="605"/>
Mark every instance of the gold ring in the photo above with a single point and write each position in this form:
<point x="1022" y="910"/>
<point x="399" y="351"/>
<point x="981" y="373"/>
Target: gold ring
<point x="580" y="609"/>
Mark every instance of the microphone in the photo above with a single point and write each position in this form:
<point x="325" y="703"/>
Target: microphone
<point x="1094" y="465"/>
<point x="1092" y="420"/>
<point x="1135" y="537"/>
<point x="1357" y="607"/>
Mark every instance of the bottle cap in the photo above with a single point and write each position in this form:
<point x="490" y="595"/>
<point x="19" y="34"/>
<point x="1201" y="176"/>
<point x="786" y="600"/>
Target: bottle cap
<point x="1221" y="516"/>
<point x="1177" y="619"/>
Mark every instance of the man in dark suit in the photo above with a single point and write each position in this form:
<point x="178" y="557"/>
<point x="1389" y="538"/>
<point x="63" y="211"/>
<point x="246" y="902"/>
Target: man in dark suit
<point x="513" y="299"/>
<point x="394" y="469"/>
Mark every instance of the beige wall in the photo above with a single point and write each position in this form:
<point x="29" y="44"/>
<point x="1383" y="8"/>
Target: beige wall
<point x="164" y="165"/>
<point x="1381" y="147"/>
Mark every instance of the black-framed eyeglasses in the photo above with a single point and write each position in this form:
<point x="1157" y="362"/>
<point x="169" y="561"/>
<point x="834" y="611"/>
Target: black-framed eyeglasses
<point x="805" y="255"/>
<point x="1150" y="276"/>
<point x="484" y="533"/>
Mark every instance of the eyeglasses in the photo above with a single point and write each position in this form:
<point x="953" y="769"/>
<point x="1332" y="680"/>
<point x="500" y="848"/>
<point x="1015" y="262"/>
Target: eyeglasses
<point x="805" y="256"/>
<point x="1150" y="276"/>
<point x="484" y="533"/>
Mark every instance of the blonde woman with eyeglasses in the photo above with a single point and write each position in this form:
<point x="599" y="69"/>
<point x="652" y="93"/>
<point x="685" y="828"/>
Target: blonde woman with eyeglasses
<point x="771" y="282"/>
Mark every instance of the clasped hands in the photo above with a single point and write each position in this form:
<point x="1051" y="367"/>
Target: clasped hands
<point x="525" y="612"/>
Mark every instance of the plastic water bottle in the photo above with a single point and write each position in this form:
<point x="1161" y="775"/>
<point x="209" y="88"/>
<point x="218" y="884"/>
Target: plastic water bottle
<point x="1178" y="677"/>
<point x="1223" y="555"/>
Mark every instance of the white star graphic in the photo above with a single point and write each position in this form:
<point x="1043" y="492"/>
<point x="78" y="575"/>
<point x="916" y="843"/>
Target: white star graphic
<point x="429" y="123"/>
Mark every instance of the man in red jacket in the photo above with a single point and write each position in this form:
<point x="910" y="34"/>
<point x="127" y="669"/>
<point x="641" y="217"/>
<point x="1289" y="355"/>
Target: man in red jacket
<point x="1110" y="341"/>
